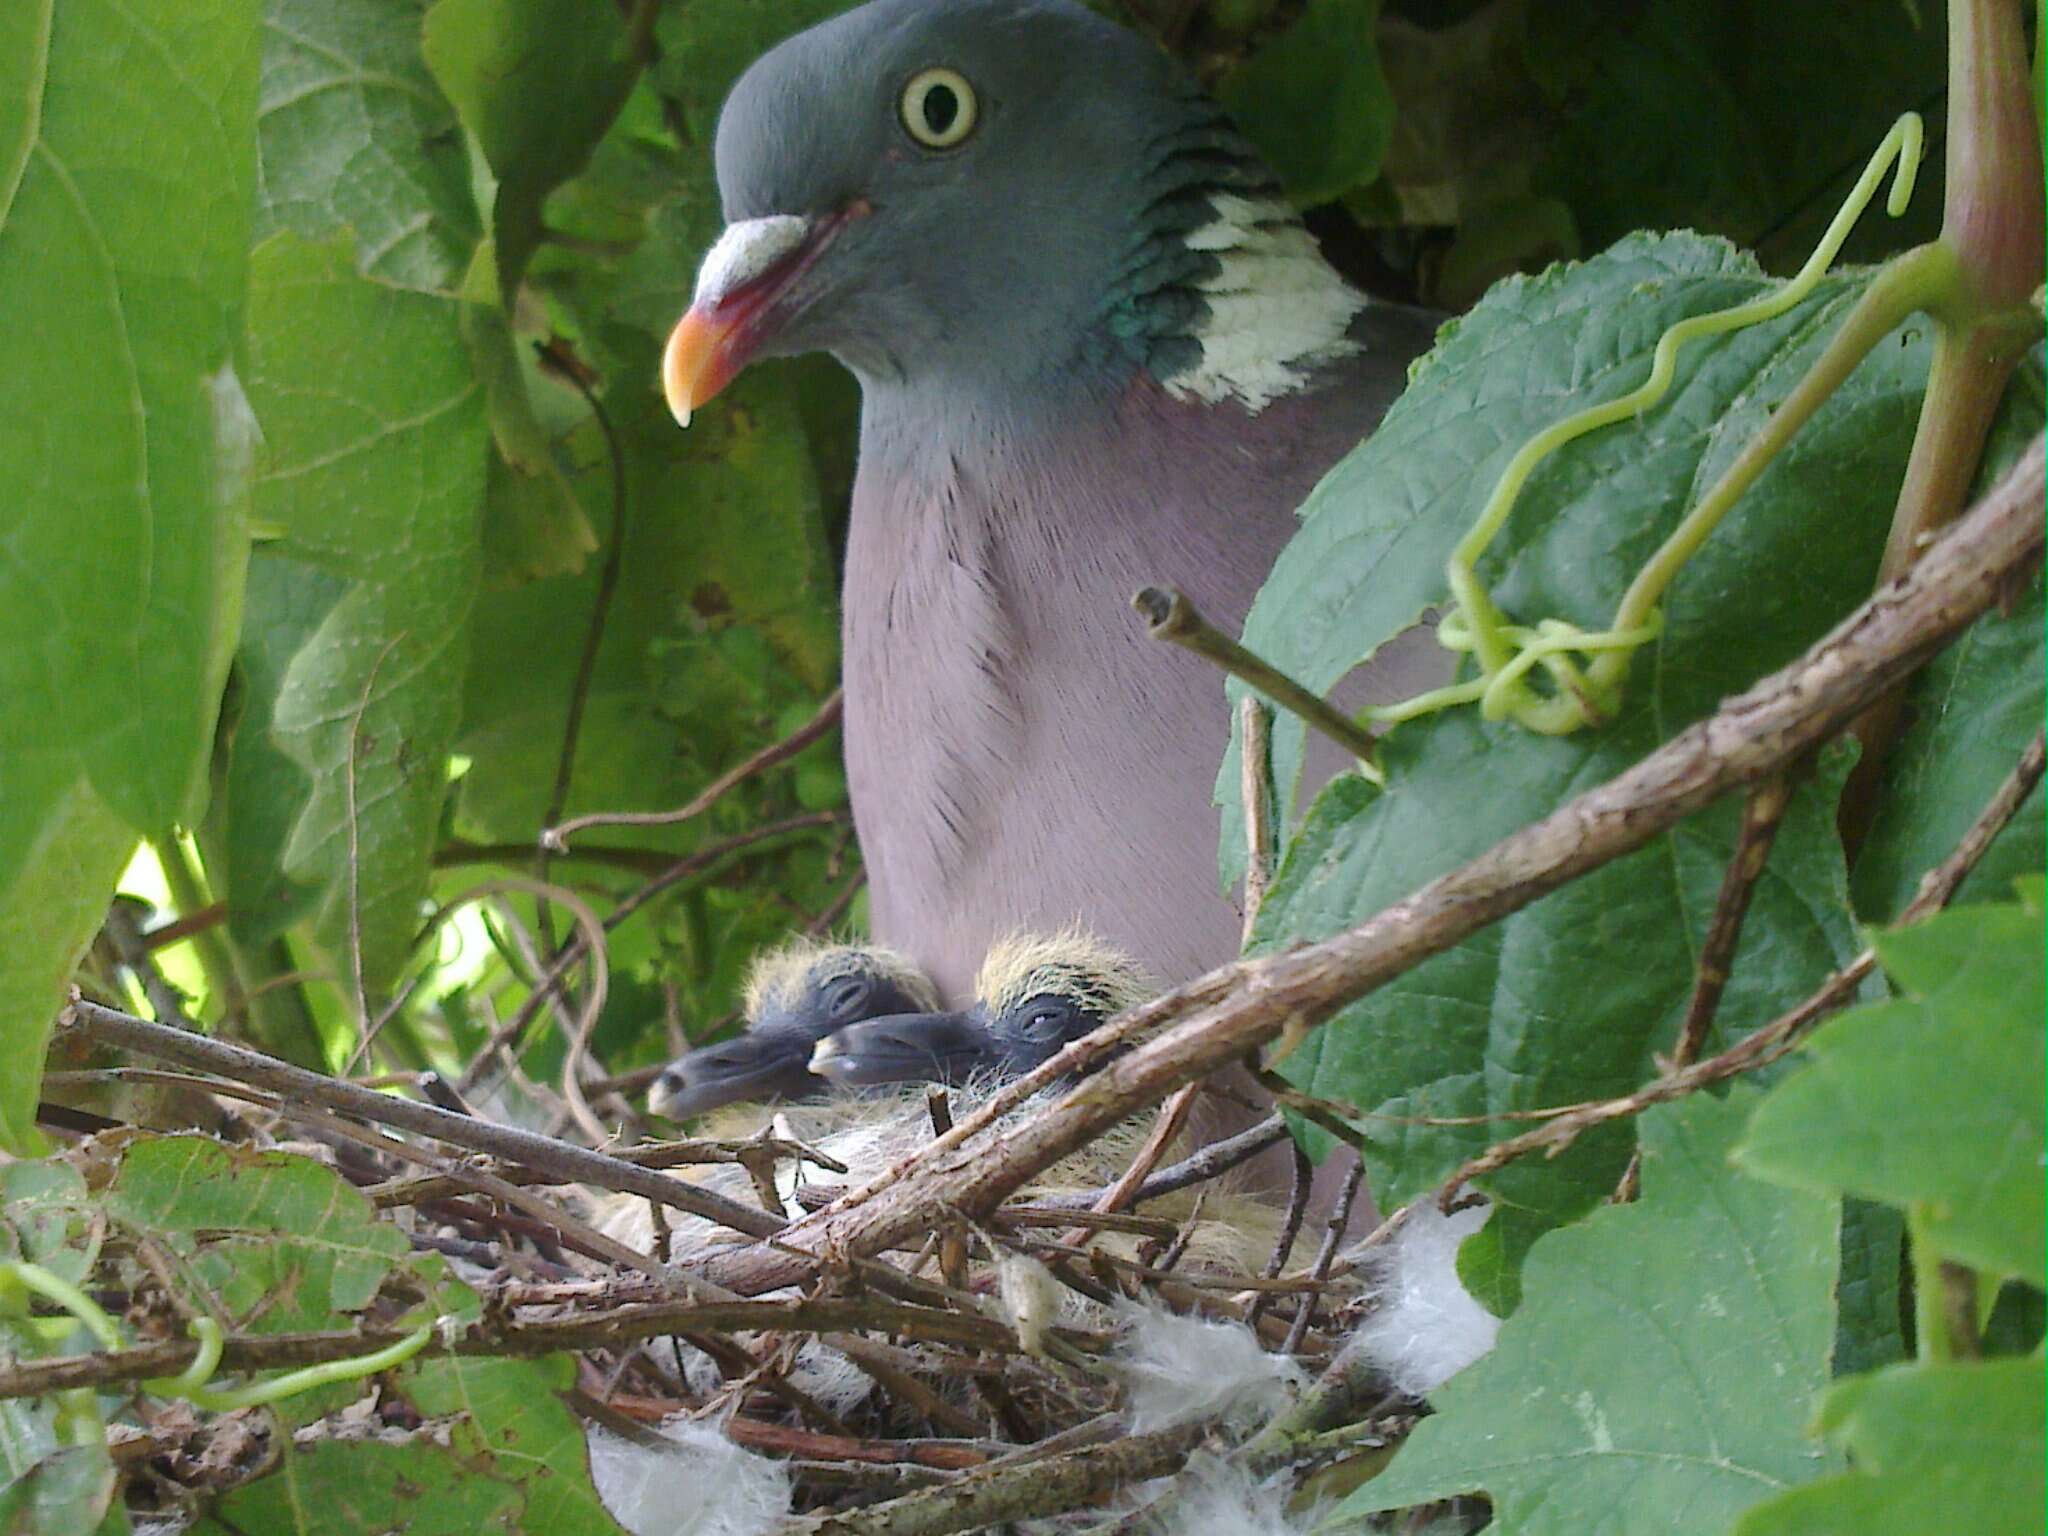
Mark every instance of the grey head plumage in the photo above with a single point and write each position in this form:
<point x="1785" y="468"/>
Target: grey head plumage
<point x="1094" y="214"/>
<point x="796" y="995"/>
<point x="1035" y="995"/>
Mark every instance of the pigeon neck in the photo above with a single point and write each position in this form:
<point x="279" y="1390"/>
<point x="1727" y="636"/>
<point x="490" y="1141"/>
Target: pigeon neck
<point x="1225" y="295"/>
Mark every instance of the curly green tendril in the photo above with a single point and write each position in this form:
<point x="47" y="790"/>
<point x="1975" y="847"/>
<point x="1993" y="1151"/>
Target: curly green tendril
<point x="1507" y="652"/>
<point x="191" y="1383"/>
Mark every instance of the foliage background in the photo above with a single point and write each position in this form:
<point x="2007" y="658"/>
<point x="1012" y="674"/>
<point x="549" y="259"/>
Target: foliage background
<point x="387" y="283"/>
<point x="347" y="543"/>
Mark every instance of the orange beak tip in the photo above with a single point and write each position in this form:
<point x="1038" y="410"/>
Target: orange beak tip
<point x="689" y="363"/>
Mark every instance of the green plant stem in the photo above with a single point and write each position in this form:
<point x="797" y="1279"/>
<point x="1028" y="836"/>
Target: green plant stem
<point x="1991" y="224"/>
<point x="189" y="892"/>
<point x="1930" y="1309"/>
<point x="1992" y="227"/>
<point x="1506" y="652"/>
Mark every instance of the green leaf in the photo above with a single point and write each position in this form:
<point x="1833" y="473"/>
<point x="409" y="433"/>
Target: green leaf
<point x="354" y="135"/>
<point x="537" y="82"/>
<point x="1315" y="102"/>
<point x="282" y="1242"/>
<point x="1965" y="1143"/>
<point x="1971" y="711"/>
<point x="534" y="525"/>
<point x="1802" y="546"/>
<point x="723" y="615"/>
<point x="61" y="850"/>
<point x="48" y="1486"/>
<point x="348" y="1488"/>
<point x="1505" y="1021"/>
<point x="125" y="190"/>
<point x="705" y="48"/>
<point x="1871" y="1331"/>
<point x="267" y="790"/>
<point x="1742" y="120"/>
<point x="374" y="473"/>
<point x="1937" y="1448"/>
<point x="514" y="1416"/>
<point x="1659" y="1369"/>
<point x="46" y="1219"/>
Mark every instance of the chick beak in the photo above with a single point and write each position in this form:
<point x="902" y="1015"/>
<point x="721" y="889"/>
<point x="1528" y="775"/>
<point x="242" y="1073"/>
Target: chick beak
<point x="904" y="1048"/>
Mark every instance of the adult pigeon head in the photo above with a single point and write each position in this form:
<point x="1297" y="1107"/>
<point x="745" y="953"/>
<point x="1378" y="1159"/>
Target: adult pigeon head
<point x="999" y="203"/>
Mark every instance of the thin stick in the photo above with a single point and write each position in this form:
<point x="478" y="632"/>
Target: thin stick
<point x="1173" y="618"/>
<point x="605" y="1329"/>
<point x="124" y="927"/>
<point x="557" y="838"/>
<point x="571" y="953"/>
<point x="1217" y="1158"/>
<point x="989" y="1497"/>
<point x="1290" y="1229"/>
<point x="1762" y="814"/>
<point x="1255" y="791"/>
<point x="1326" y="1256"/>
<point x="561" y="1160"/>
<point x="1173" y="1115"/>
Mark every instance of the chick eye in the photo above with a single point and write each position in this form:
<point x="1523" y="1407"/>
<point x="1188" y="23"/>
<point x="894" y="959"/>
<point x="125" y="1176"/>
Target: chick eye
<point x="1046" y="1020"/>
<point x="938" y="108"/>
<point x="847" y="998"/>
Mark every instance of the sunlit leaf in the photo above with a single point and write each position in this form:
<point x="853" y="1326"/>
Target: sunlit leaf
<point x="125" y="190"/>
<point x="375" y="445"/>
<point x="1936" y="1447"/>
<point x="1965" y="1144"/>
<point x="354" y="135"/>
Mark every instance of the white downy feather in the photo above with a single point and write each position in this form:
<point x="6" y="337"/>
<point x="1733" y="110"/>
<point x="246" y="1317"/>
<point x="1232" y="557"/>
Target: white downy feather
<point x="1219" y="1498"/>
<point x="1424" y="1327"/>
<point x="699" y="1484"/>
<point x="1180" y="1369"/>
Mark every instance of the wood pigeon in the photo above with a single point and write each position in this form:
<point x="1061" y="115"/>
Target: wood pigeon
<point x="1033" y="996"/>
<point x="1096" y="351"/>
<point x="795" y="996"/>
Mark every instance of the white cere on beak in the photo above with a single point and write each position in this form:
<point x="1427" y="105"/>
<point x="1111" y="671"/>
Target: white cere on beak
<point x="745" y="251"/>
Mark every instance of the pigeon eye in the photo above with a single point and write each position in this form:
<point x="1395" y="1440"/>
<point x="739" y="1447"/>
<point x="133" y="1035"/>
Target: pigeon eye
<point x="938" y="108"/>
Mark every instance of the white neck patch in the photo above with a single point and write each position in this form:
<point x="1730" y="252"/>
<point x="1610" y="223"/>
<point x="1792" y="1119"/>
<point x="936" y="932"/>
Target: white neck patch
<point x="1277" y="310"/>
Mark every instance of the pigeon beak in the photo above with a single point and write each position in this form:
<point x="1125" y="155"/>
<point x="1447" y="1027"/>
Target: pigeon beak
<point x="696" y="364"/>
<point x="906" y="1048"/>
<point x="752" y="266"/>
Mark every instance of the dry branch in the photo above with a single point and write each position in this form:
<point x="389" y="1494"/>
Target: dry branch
<point x="556" y="839"/>
<point x="562" y="1161"/>
<point x="1212" y="1021"/>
